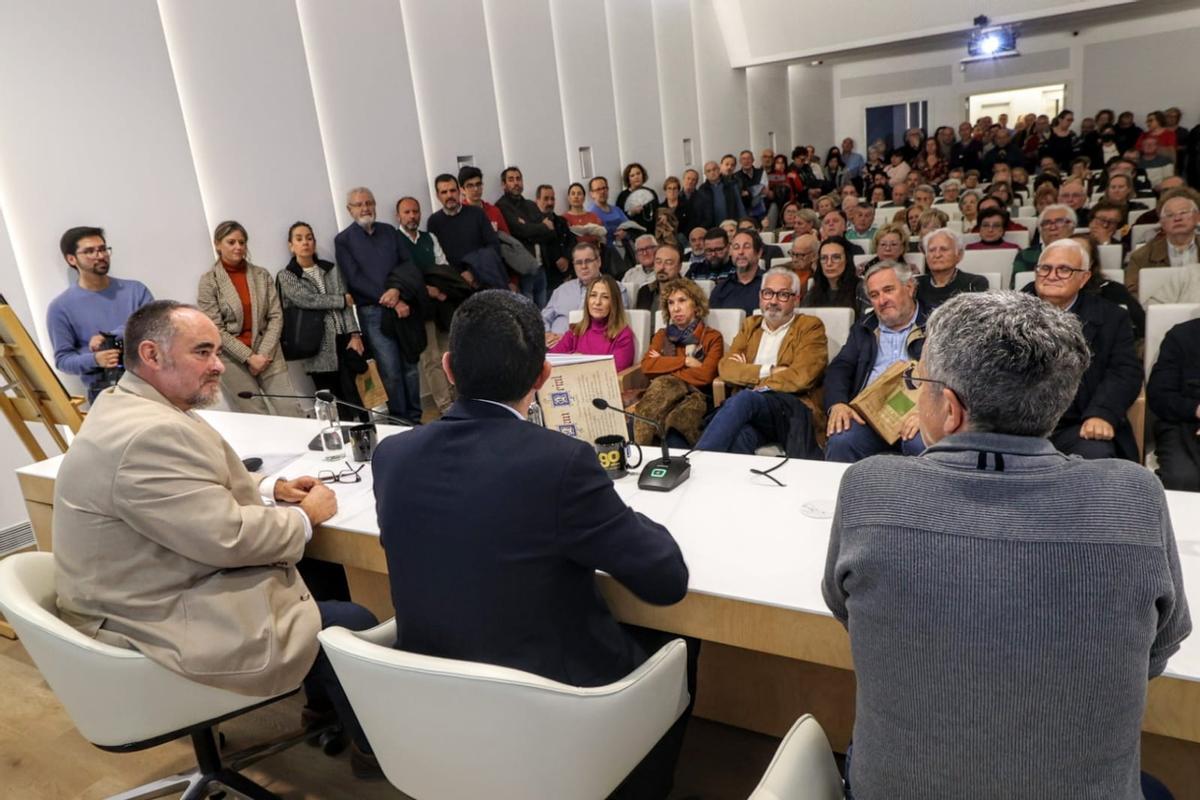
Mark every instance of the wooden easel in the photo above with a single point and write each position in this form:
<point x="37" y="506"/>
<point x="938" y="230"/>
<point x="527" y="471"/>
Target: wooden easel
<point x="30" y="392"/>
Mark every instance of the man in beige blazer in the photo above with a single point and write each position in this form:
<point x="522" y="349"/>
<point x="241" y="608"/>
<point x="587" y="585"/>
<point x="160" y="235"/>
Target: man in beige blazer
<point x="163" y="542"/>
<point x="1177" y="245"/>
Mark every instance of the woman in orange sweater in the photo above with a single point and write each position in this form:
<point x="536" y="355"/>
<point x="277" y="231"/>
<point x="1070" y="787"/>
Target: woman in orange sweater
<point x="681" y="364"/>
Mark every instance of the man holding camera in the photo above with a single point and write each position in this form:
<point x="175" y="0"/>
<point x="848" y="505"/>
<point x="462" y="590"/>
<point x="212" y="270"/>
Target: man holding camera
<point x="87" y="321"/>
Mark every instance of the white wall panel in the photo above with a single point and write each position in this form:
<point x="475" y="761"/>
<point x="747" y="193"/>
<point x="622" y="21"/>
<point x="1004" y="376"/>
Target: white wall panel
<point x="362" y="85"/>
<point x="635" y="86"/>
<point x="769" y="104"/>
<point x="248" y="103"/>
<point x="721" y="90"/>
<point x="452" y="76"/>
<point x="677" y="83"/>
<point x="93" y="135"/>
<point x="811" y="92"/>
<point x="585" y="77"/>
<point x="527" y="94"/>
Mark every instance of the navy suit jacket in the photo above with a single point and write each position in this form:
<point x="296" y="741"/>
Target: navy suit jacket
<point x="847" y="374"/>
<point x="494" y="529"/>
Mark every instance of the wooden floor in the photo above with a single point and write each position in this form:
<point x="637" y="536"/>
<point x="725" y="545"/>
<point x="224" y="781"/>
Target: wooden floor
<point x="42" y="757"/>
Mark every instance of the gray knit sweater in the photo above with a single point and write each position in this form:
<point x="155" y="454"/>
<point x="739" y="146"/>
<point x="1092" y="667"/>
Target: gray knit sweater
<point x="1003" y="623"/>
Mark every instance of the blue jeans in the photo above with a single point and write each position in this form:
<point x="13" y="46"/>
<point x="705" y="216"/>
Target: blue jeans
<point x="400" y="378"/>
<point x="742" y="425"/>
<point x="534" y="287"/>
<point x="859" y="442"/>
<point x="321" y="684"/>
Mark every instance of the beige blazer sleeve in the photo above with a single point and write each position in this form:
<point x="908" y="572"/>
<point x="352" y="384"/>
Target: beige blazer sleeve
<point x="209" y="297"/>
<point x="173" y="487"/>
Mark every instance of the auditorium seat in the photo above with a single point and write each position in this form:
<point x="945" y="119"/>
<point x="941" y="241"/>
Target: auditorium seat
<point x="1152" y="279"/>
<point x="803" y="767"/>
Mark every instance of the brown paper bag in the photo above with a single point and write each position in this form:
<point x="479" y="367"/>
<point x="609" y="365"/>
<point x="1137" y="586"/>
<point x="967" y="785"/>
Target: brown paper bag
<point x="370" y="387"/>
<point x="885" y="403"/>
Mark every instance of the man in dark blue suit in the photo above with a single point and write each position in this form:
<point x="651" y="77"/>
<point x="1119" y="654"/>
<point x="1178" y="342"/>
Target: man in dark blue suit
<point x="494" y="528"/>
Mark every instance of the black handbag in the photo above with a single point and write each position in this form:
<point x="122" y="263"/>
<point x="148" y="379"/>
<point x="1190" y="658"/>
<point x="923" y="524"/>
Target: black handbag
<point x="303" y="332"/>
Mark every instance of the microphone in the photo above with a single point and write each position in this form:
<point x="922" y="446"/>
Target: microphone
<point x="326" y="396"/>
<point x="661" y="474"/>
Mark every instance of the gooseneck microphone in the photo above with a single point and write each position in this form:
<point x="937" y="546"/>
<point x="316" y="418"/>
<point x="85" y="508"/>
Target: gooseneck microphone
<point x="326" y="396"/>
<point x="661" y="474"/>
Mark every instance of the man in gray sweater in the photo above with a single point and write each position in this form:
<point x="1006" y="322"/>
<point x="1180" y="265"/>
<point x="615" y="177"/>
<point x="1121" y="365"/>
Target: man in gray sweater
<point x="1006" y="604"/>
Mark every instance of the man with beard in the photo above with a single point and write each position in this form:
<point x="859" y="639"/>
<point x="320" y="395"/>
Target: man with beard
<point x="81" y="318"/>
<point x="740" y="290"/>
<point x="667" y="261"/>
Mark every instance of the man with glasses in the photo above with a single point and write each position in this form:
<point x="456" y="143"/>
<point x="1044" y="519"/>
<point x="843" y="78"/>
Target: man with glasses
<point x="1180" y="214"/>
<point x="1095" y="424"/>
<point x="667" y="265"/>
<point x="804" y="257"/>
<point x="1073" y="194"/>
<point x="611" y="216"/>
<point x="1056" y="222"/>
<point x="1002" y="600"/>
<point x="471" y="180"/>
<point x="644" y="248"/>
<point x="716" y="264"/>
<point x="1178" y="244"/>
<point x="779" y="358"/>
<point x="88" y="320"/>
<point x="895" y="332"/>
<point x="741" y="289"/>
<point x="1105" y="223"/>
<point x="585" y="258"/>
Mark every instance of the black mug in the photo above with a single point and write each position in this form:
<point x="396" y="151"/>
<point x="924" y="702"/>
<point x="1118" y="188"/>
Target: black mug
<point x="362" y="441"/>
<point x="611" y="452"/>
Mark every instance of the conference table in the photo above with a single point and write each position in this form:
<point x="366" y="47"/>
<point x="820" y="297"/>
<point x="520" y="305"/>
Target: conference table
<point x="756" y="552"/>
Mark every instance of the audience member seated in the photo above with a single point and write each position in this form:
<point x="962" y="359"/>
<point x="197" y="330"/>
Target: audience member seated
<point x="716" y="199"/>
<point x="611" y="217"/>
<point x="770" y="252"/>
<point x="779" y="357"/>
<point x="446" y="289"/>
<point x="924" y="195"/>
<point x="529" y="226"/>
<point x="1073" y="194"/>
<point x="1166" y="185"/>
<point x="371" y="257"/>
<point x="1120" y="190"/>
<point x="833" y="225"/>
<point x="805" y="221"/>
<point x="951" y="189"/>
<point x="895" y="332"/>
<point x="681" y="364"/>
<point x="962" y="676"/>
<point x="604" y="329"/>
<point x="1178" y="245"/>
<point x="504" y="572"/>
<point x="241" y="300"/>
<point x="835" y="283"/>
<point x="638" y="276"/>
<point x="803" y="257"/>
<point x="1158" y="132"/>
<point x="891" y="241"/>
<point x="1106" y="220"/>
<point x="942" y="278"/>
<point x="1055" y="223"/>
<point x="1112" y="291"/>
<point x="992" y="224"/>
<point x="716" y="264"/>
<point x="666" y="268"/>
<point x="1095" y="424"/>
<point x="968" y="205"/>
<point x="741" y="289"/>
<point x="315" y="284"/>
<point x="862" y="218"/>
<point x="198" y="569"/>
<point x="1173" y="394"/>
<point x="695" y="251"/>
<point x="86" y="319"/>
<point x="466" y="237"/>
<point x="585" y="258"/>
<point x="633" y="179"/>
<point x="932" y="220"/>
<point x="471" y="180"/>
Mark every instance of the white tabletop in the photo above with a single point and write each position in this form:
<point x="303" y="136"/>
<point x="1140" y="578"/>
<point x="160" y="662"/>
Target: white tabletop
<point x="743" y="537"/>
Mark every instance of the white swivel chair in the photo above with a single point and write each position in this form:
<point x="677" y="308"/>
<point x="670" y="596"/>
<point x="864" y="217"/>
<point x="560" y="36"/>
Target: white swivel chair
<point x="1151" y="279"/>
<point x="1140" y="234"/>
<point x="1111" y="256"/>
<point x="1160" y="318"/>
<point x="803" y="767"/>
<point x="444" y="729"/>
<point x="837" y="322"/>
<point x="122" y="701"/>
<point x="981" y="262"/>
<point x="1019" y="238"/>
<point x="993" y="279"/>
<point x="706" y="285"/>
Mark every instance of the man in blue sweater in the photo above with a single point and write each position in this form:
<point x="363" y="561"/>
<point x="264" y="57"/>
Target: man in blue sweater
<point x="85" y="318"/>
<point x="1006" y="603"/>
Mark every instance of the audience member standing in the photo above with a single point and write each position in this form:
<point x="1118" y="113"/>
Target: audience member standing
<point x="467" y="238"/>
<point x="556" y="254"/>
<point x="368" y="251"/>
<point x="645" y="203"/>
<point x="530" y="227"/>
<point x="81" y="319"/>
<point x="471" y="180"/>
<point x="241" y="300"/>
<point x="1033" y="685"/>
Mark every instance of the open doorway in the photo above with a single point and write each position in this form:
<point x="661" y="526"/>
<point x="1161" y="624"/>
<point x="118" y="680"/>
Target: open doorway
<point x="1016" y="103"/>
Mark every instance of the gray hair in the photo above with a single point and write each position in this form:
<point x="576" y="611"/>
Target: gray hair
<point x="965" y="193"/>
<point x="810" y="215"/>
<point x="787" y="273"/>
<point x="1014" y="361"/>
<point x="950" y="182"/>
<point x="904" y="272"/>
<point x="949" y="233"/>
<point x="639" y="239"/>
<point x="358" y="190"/>
<point x="1085" y="258"/>
<point x="1059" y="207"/>
<point x="925" y="187"/>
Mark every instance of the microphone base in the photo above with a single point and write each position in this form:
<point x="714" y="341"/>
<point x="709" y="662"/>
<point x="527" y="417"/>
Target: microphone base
<point x="664" y="474"/>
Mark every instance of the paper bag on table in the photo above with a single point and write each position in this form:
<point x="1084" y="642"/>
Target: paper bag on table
<point x="886" y="402"/>
<point x="370" y="387"/>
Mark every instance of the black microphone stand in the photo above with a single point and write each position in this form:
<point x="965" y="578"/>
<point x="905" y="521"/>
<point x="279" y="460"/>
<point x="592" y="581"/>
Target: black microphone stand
<point x="662" y="474"/>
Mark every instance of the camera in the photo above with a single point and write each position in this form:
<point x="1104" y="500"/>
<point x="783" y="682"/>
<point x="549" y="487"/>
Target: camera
<point x="110" y="375"/>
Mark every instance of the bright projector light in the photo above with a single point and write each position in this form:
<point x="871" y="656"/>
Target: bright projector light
<point x="989" y="45"/>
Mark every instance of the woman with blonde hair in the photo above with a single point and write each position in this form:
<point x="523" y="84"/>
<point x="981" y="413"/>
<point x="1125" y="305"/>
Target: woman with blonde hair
<point x="241" y="300"/>
<point x="604" y="329"/>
